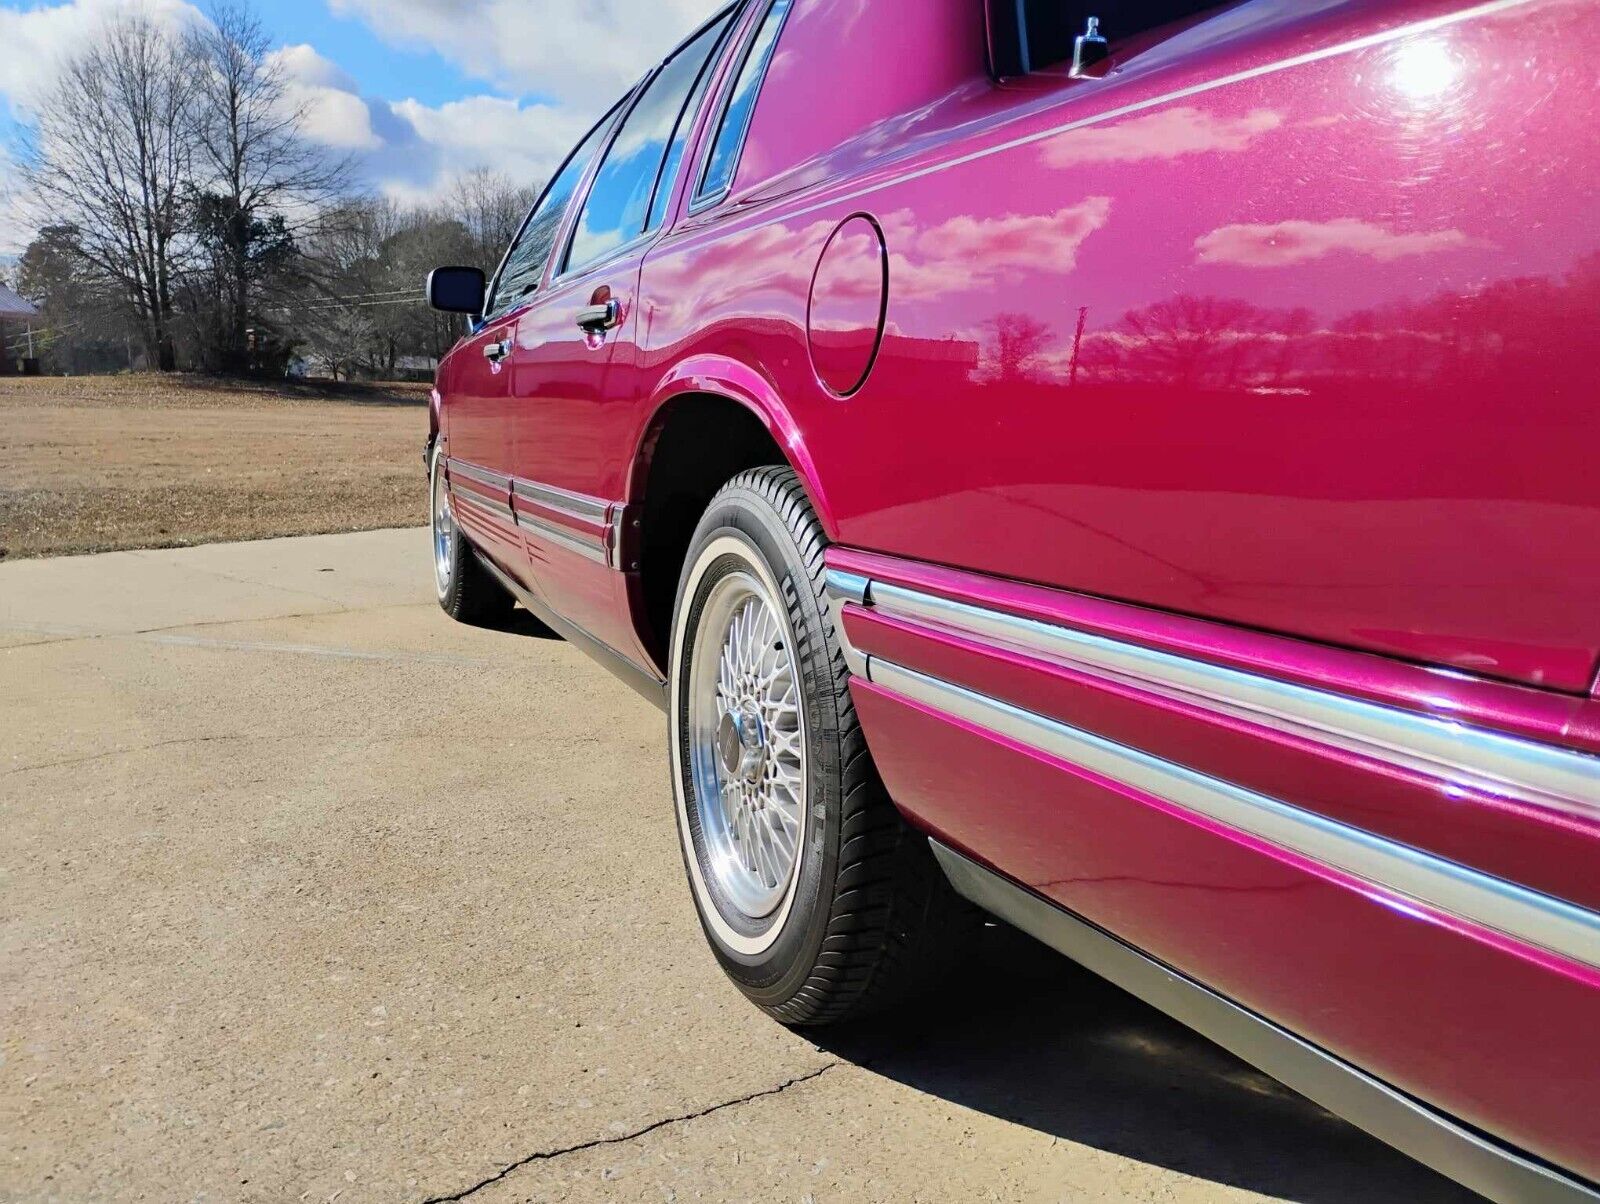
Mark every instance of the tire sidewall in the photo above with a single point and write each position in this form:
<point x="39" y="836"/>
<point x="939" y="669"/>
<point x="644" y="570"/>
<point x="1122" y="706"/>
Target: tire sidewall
<point x="746" y="518"/>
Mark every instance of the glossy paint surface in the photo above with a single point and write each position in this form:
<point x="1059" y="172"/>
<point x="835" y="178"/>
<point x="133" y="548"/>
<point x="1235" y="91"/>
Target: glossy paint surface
<point x="1498" y="1040"/>
<point x="1333" y="377"/>
<point x="1275" y="348"/>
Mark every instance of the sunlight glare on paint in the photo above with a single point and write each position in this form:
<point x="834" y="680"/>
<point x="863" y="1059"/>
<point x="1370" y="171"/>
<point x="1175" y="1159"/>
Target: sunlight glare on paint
<point x="1423" y="69"/>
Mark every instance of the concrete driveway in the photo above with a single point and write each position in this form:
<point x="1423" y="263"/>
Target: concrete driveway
<point x="310" y="894"/>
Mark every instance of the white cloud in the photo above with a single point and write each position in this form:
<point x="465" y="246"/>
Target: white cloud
<point x="524" y="142"/>
<point x="35" y="42"/>
<point x="1280" y="244"/>
<point x="15" y="230"/>
<point x="576" y="57"/>
<point x="332" y="111"/>
<point x="583" y="54"/>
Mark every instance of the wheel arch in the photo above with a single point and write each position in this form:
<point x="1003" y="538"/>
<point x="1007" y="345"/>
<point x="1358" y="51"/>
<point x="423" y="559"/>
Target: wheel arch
<point x="711" y="418"/>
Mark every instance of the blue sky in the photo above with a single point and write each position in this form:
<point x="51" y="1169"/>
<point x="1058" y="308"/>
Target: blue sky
<point x="417" y="91"/>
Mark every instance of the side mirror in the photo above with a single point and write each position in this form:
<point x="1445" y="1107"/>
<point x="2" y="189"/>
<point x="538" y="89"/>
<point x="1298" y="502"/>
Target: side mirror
<point x="457" y="290"/>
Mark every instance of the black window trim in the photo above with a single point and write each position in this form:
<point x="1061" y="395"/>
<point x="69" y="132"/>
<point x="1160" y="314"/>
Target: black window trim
<point x="707" y="68"/>
<point x="494" y="280"/>
<point x="700" y="200"/>
<point x="631" y="101"/>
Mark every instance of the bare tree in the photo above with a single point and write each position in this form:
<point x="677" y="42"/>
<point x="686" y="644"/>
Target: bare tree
<point x="1019" y="340"/>
<point x="110" y="156"/>
<point x="491" y="206"/>
<point x="258" y="181"/>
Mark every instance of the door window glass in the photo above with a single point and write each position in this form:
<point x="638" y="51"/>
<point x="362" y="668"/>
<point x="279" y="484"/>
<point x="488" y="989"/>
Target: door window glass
<point x="530" y="251"/>
<point x="618" y="208"/>
<point x="680" y="136"/>
<point x="741" y="104"/>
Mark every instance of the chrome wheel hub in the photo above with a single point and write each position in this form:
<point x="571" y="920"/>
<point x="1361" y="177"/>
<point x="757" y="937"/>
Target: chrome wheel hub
<point x="741" y="743"/>
<point x="747" y="746"/>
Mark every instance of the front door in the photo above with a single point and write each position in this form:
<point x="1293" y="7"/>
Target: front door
<point x="477" y="440"/>
<point x="577" y="360"/>
<point x="480" y="427"/>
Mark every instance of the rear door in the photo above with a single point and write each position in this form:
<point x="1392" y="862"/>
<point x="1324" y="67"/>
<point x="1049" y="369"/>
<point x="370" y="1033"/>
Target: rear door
<point x="577" y="355"/>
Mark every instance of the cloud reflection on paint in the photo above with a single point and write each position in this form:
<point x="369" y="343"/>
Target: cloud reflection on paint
<point x="1279" y="244"/>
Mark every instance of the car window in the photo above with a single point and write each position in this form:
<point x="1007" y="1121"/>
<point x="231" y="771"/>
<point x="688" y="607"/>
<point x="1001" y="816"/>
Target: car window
<point x="741" y="104"/>
<point x="618" y="209"/>
<point x="523" y="267"/>
<point x="680" y="136"/>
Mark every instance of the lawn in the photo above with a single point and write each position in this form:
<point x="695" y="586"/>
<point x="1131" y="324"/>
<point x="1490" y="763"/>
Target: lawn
<point x="90" y="464"/>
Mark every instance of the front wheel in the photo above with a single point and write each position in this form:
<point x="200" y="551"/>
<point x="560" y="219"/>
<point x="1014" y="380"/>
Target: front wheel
<point x="818" y="899"/>
<point x="465" y="589"/>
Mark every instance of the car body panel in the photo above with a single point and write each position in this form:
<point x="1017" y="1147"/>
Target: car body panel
<point x="476" y="429"/>
<point x="575" y="392"/>
<point x="1270" y="355"/>
<point x="1266" y="335"/>
<point x="1489" y="1034"/>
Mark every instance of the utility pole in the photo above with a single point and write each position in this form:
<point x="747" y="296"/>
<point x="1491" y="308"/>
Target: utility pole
<point x="1077" y="342"/>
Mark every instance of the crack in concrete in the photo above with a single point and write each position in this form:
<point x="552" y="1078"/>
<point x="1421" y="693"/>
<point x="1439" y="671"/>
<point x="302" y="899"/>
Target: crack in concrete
<point x="148" y="554"/>
<point x="624" y="1138"/>
<point x="169" y="634"/>
<point x="118" y="752"/>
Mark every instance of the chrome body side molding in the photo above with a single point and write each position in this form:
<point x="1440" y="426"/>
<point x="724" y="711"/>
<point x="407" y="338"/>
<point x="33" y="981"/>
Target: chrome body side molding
<point x="1444" y="886"/>
<point x="577" y="504"/>
<point x="476" y="472"/>
<point x="1540" y="774"/>
<point x="565" y="536"/>
<point x="1417" y="1130"/>
<point x="521" y="498"/>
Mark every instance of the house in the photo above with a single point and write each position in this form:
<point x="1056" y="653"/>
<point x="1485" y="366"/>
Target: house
<point x="19" y="321"/>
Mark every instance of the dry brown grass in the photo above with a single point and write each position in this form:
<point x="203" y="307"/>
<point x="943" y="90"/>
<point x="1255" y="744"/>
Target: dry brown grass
<point x="90" y="464"/>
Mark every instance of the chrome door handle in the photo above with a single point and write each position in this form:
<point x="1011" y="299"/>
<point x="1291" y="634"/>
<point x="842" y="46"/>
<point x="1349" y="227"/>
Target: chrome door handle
<point x="593" y="319"/>
<point x="497" y="351"/>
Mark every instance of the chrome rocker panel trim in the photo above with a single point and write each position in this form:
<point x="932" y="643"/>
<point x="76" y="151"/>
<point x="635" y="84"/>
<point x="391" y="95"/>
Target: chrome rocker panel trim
<point x="1428" y="1136"/>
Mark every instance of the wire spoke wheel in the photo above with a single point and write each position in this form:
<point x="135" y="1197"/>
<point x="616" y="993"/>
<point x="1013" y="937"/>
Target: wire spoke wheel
<point x="747" y="746"/>
<point x="444" y="531"/>
<point x="819" y="901"/>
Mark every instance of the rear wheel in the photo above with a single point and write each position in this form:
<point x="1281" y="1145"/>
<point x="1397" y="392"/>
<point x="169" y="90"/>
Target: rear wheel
<point x="818" y="899"/>
<point x="466" y="590"/>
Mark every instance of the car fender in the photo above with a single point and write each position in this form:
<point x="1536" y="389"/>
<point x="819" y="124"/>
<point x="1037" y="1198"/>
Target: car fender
<point x="723" y="376"/>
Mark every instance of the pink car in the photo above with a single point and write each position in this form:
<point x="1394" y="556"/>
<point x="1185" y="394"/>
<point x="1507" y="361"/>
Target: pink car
<point x="1127" y="466"/>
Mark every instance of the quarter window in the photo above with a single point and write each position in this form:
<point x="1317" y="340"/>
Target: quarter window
<point x="530" y="251"/>
<point x="620" y="206"/>
<point x="741" y="104"/>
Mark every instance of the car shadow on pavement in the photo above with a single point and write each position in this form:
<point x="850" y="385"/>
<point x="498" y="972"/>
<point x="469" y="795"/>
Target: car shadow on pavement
<point x="523" y="622"/>
<point x="1030" y="1037"/>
